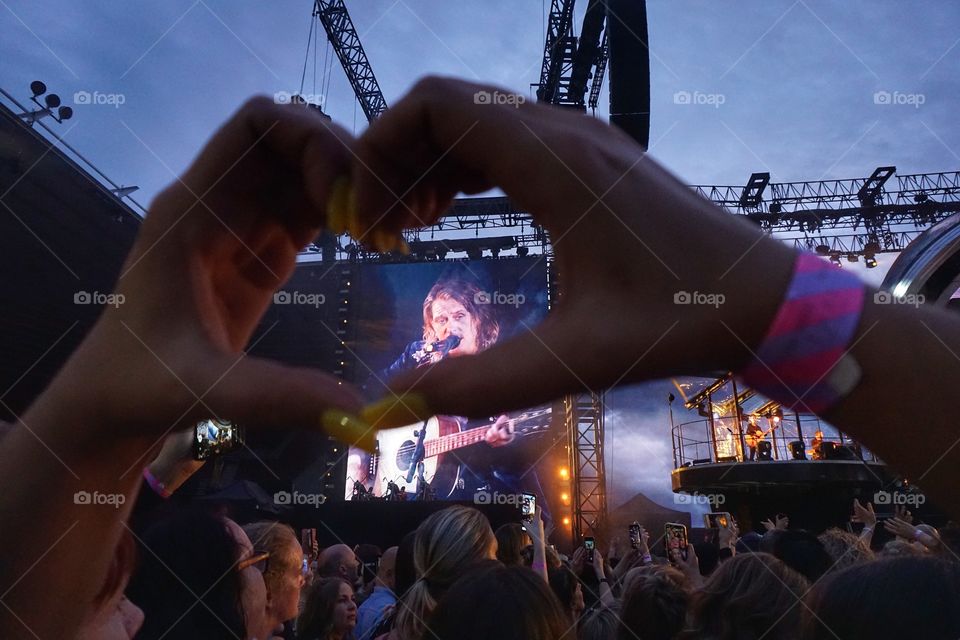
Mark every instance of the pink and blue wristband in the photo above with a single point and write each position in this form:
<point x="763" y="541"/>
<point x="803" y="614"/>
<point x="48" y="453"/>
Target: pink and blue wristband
<point x="803" y="362"/>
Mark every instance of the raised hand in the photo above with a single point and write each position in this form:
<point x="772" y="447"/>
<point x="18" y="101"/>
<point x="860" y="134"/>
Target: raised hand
<point x="864" y="514"/>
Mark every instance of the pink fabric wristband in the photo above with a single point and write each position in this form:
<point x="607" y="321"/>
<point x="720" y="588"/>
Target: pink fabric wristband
<point x="803" y="361"/>
<point x="158" y="487"/>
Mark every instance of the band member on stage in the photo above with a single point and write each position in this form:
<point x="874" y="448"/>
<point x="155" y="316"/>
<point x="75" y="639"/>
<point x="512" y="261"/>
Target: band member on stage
<point x="816" y="445"/>
<point x="752" y="436"/>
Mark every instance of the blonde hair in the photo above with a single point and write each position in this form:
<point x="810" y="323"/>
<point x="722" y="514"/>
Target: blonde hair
<point x="446" y="544"/>
<point x="285" y="552"/>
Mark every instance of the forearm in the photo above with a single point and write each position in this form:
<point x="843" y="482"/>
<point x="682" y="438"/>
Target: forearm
<point x="57" y="545"/>
<point x="882" y="412"/>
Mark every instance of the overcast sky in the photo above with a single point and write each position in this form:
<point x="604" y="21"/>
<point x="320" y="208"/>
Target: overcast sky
<point x="789" y="87"/>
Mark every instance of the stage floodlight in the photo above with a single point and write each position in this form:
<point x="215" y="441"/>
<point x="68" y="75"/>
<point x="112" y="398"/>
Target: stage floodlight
<point x="52" y="101"/>
<point x="64" y="113"/>
<point x="38" y="88"/>
<point x="870" y="261"/>
<point x="835" y="259"/>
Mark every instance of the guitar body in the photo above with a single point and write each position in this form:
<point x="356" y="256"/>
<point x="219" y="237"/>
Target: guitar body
<point x="397" y="447"/>
<point x="442" y="439"/>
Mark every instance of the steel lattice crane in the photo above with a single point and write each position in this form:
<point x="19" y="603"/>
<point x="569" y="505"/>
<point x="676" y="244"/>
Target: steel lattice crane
<point x="570" y="62"/>
<point x="346" y="44"/>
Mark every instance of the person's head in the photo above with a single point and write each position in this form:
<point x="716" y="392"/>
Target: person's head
<point x="455" y="307"/>
<point x="494" y="601"/>
<point x="566" y="586"/>
<point x="898" y="548"/>
<point x="599" y="624"/>
<point x="511" y="540"/>
<point x="751" y="595"/>
<point x="284" y="576"/>
<point x="801" y="551"/>
<point x="329" y="612"/>
<point x="114" y="617"/>
<point x="369" y="557"/>
<point x="844" y="548"/>
<point x="932" y="532"/>
<point x="386" y="572"/>
<point x="405" y="574"/>
<point x="193" y="554"/>
<point x="905" y="597"/>
<point x="654" y="605"/>
<point x="448" y="542"/>
<point x="339" y="561"/>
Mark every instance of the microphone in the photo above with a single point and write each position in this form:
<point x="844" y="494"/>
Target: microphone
<point x="427" y="352"/>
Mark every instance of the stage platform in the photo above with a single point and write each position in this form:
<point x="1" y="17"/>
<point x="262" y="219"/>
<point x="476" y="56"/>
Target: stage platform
<point x="780" y="477"/>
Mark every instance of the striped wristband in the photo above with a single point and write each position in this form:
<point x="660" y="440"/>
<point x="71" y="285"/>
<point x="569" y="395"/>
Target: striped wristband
<point x="803" y="361"/>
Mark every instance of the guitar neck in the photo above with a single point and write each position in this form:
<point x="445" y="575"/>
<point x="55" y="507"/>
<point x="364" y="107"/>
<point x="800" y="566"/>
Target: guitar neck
<point x="453" y="441"/>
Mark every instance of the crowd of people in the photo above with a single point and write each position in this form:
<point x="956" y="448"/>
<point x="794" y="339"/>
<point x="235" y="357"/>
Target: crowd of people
<point x="196" y="574"/>
<point x="627" y="235"/>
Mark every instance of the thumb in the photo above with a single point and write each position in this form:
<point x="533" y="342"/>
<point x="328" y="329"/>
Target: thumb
<point x="535" y="367"/>
<point x="268" y="394"/>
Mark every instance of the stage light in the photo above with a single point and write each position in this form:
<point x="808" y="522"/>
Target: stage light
<point x="564" y="473"/>
<point x="566" y="521"/>
<point x="38" y="88"/>
<point x="523" y="252"/>
<point x="823" y="249"/>
<point x="870" y="261"/>
<point x="50" y="102"/>
<point x="565" y="498"/>
<point x="835" y="259"/>
<point x="851" y="257"/>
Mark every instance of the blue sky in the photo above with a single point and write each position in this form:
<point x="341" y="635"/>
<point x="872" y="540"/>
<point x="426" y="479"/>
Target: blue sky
<point x="786" y="86"/>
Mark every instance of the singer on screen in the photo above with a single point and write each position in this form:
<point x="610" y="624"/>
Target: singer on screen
<point x="458" y="320"/>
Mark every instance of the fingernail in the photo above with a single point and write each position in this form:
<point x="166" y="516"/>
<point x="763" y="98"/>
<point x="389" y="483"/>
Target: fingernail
<point x="349" y="428"/>
<point x="396" y="411"/>
<point x="337" y="205"/>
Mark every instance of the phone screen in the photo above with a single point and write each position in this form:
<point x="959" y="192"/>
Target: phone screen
<point x="589" y="544"/>
<point x="635" y="535"/>
<point x="528" y="508"/>
<point x="717" y="519"/>
<point x="675" y="538"/>
<point x="215" y="437"/>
